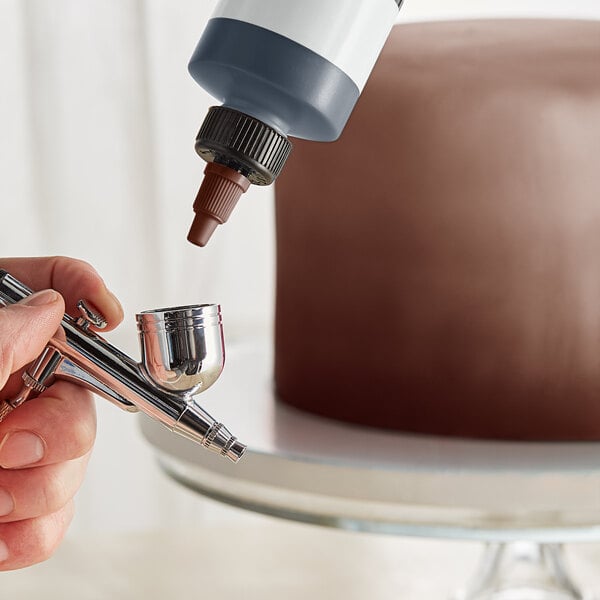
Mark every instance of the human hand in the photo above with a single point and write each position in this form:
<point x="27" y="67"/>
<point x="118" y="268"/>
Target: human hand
<point x="45" y="444"/>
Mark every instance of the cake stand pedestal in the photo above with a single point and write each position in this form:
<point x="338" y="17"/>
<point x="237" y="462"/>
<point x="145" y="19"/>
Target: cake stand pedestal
<point x="522" y="500"/>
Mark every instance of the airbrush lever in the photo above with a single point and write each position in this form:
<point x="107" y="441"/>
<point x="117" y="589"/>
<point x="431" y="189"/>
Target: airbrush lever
<point x="182" y="355"/>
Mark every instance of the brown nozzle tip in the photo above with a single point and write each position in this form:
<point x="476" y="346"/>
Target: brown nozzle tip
<point x="221" y="188"/>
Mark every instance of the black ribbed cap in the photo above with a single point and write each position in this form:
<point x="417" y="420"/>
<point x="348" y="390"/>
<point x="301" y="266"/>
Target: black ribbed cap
<point x="243" y="143"/>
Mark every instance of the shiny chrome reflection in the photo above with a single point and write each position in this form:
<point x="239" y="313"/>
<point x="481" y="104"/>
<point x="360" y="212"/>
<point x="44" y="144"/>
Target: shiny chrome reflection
<point x="182" y="348"/>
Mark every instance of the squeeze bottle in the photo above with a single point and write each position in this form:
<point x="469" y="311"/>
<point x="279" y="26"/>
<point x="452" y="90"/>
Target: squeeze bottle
<point x="279" y="68"/>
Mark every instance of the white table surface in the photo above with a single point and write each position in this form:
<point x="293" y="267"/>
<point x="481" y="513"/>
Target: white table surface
<point x="260" y="558"/>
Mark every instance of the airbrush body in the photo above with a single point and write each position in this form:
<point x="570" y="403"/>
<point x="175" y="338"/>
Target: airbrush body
<point x="182" y="355"/>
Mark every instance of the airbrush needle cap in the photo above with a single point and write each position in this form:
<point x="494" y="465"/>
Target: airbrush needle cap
<point x="221" y="188"/>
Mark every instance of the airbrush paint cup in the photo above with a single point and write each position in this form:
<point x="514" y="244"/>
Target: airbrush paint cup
<point x="182" y="348"/>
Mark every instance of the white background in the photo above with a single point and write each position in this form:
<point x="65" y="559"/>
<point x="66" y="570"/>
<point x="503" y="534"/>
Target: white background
<point x="97" y="118"/>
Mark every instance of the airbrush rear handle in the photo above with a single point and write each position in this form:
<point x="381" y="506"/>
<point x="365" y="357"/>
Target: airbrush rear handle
<point x="84" y="357"/>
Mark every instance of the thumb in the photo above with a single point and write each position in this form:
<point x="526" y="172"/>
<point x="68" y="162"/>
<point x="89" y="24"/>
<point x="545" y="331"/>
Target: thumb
<point x="25" y="329"/>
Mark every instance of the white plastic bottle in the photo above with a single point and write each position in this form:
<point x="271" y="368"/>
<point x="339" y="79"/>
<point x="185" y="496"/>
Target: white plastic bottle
<point x="280" y="68"/>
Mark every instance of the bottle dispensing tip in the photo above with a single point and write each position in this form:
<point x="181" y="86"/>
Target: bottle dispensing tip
<point x="221" y="188"/>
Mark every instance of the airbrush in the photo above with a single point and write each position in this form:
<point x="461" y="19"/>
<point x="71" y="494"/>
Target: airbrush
<point x="182" y="355"/>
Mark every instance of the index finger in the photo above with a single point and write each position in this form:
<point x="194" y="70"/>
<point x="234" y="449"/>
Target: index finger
<point x="74" y="279"/>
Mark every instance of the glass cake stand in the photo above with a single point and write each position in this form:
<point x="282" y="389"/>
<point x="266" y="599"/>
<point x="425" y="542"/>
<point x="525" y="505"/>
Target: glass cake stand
<point x="522" y="500"/>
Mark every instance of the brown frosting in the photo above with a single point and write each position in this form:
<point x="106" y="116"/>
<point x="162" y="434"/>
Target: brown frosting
<point x="438" y="267"/>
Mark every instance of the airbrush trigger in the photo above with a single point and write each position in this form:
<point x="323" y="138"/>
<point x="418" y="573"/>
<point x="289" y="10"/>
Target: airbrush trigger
<point x="89" y="317"/>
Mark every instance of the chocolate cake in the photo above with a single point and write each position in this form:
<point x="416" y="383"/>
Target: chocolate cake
<point x="438" y="267"/>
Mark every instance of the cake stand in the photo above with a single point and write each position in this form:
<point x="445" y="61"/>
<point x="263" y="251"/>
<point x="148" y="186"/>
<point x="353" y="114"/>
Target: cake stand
<point x="522" y="500"/>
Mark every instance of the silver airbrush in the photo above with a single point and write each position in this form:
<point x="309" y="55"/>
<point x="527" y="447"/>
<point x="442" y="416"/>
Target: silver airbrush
<point x="182" y="355"/>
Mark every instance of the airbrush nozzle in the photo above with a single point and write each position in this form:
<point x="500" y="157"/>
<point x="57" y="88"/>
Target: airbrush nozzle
<point x="194" y="424"/>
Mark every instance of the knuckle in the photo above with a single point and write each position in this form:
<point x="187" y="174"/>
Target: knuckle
<point x="68" y="264"/>
<point x="42" y="491"/>
<point x="5" y="362"/>
<point x="50" y="530"/>
<point x="56" y="492"/>
<point x="46" y="540"/>
<point x="70" y="411"/>
<point x="6" y="347"/>
<point x="84" y="432"/>
<point x="35" y="540"/>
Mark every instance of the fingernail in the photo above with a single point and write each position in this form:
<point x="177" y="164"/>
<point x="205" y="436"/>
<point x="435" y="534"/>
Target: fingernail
<point x="7" y="504"/>
<point x="3" y="551"/>
<point x="40" y="298"/>
<point x="21" y="449"/>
